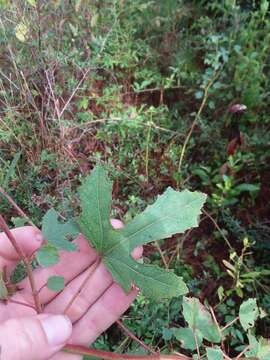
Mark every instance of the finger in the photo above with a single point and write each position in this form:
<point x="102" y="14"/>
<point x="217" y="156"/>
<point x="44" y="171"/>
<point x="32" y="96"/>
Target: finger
<point x="71" y="264"/>
<point x="34" y="338"/>
<point x="28" y="238"/>
<point x="95" y="281"/>
<point x="111" y="305"/>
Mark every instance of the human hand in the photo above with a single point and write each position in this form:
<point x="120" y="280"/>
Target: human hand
<point x="24" y="335"/>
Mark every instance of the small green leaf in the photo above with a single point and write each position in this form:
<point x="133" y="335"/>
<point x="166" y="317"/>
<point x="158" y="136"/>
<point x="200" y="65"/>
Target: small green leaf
<point x="32" y="2"/>
<point x="56" y="283"/>
<point x="214" y="354"/>
<point x="187" y="338"/>
<point x="19" y="221"/>
<point x="248" y="313"/>
<point x="199" y="318"/>
<point x="21" y="31"/>
<point x="57" y="233"/>
<point x="167" y="334"/>
<point x="47" y="256"/>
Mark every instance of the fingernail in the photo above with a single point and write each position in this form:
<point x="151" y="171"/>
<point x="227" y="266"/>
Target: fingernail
<point x="58" y="329"/>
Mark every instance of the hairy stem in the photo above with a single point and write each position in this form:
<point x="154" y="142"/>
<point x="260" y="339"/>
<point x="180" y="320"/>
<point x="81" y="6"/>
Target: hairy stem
<point x="28" y="267"/>
<point x="106" y="355"/>
<point x="12" y="203"/>
<point x="134" y="337"/>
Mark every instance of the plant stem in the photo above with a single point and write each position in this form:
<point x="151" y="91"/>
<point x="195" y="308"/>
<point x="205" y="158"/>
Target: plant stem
<point x="28" y="267"/>
<point x="205" y="97"/>
<point x="134" y="337"/>
<point x="106" y="355"/>
<point x="12" y="203"/>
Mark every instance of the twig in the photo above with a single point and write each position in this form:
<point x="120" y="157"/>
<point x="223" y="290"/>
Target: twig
<point x="242" y="352"/>
<point x="197" y="346"/>
<point x="217" y="325"/>
<point x="106" y="355"/>
<point x="92" y="270"/>
<point x="134" y="337"/>
<point x="198" y="114"/>
<point x="73" y="93"/>
<point x="161" y="255"/>
<point x="19" y="210"/>
<point x="218" y="228"/>
<point x="230" y="323"/>
<point x="4" y="227"/>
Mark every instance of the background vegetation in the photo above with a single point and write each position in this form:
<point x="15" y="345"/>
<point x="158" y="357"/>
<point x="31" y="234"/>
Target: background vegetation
<point x="146" y="87"/>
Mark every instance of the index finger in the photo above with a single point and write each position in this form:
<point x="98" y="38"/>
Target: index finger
<point x="28" y="238"/>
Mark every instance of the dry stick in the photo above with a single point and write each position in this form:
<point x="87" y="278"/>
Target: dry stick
<point x="217" y="325"/>
<point x="19" y="210"/>
<point x="230" y="323"/>
<point x="218" y="228"/>
<point x="74" y="297"/>
<point x="134" y="337"/>
<point x="81" y="350"/>
<point x="205" y="97"/>
<point x="27" y="264"/>
<point x="162" y="255"/>
<point x="197" y="346"/>
<point x="243" y="352"/>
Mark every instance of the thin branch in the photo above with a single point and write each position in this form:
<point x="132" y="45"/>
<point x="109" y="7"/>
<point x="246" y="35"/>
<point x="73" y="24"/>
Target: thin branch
<point x="161" y="255"/>
<point x="218" y="228"/>
<point x="242" y="352"/>
<point x="28" y="267"/>
<point x="230" y="323"/>
<point x="205" y="97"/>
<point x="217" y="325"/>
<point x="106" y="355"/>
<point x="134" y="337"/>
<point x="12" y="203"/>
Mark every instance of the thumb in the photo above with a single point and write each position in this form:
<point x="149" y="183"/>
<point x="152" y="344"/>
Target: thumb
<point x="34" y="338"/>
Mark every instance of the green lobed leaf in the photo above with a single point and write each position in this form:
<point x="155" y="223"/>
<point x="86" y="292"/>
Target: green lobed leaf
<point x="58" y="233"/>
<point x="153" y="281"/>
<point x="56" y="283"/>
<point x="199" y="318"/>
<point x="214" y="354"/>
<point x="187" y="338"/>
<point x="47" y="256"/>
<point x="248" y="313"/>
<point x="259" y="349"/>
<point x="173" y="212"/>
<point x="96" y="198"/>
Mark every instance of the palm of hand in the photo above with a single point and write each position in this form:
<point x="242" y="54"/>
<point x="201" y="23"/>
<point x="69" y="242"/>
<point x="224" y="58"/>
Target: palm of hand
<point x="97" y="306"/>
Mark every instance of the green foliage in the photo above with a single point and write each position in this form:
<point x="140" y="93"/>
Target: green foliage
<point x="57" y="233"/>
<point x="120" y="82"/>
<point x="56" y="283"/>
<point x="198" y="318"/>
<point x="248" y="313"/>
<point x="173" y="212"/>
